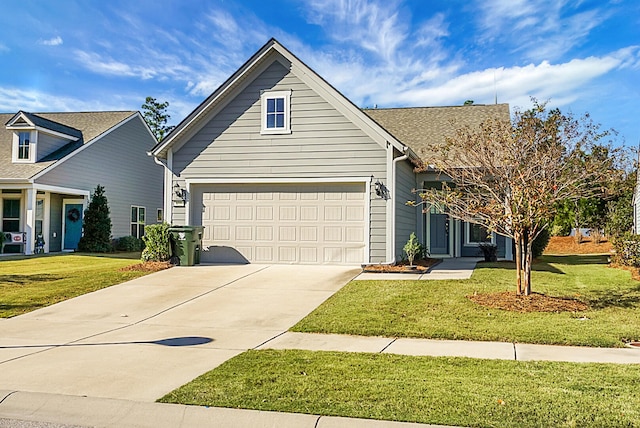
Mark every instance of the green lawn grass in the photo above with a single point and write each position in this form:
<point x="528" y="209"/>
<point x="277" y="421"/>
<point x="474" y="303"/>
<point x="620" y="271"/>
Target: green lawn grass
<point x="440" y="309"/>
<point x="447" y="391"/>
<point x="29" y="283"/>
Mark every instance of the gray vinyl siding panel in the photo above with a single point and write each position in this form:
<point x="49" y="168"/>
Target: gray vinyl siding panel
<point x="119" y="162"/>
<point x="55" y="223"/>
<point x="406" y="216"/>
<point x="48" y="144"/>
<point x="323" y="144"/>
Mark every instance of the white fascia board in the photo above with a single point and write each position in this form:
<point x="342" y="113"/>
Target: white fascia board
<point x="216" y="96"/>
<point x="84" y="147"/>
<point x="19" y="115"/>
<point x="60" y="189"/>
<point x="195" y="181"/>
<point x="57" y="134"/>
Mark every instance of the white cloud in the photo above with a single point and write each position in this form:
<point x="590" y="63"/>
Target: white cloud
<point x="55" y="41"/>
<point x="539" y="29"/>
<point x="14" y="99"/>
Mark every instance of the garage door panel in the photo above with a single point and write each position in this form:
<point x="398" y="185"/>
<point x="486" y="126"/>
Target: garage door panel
<point x="287" y="223"/>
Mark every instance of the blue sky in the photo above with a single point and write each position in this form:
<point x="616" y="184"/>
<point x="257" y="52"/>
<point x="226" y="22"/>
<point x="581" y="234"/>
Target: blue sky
<point x="581" y="55"/>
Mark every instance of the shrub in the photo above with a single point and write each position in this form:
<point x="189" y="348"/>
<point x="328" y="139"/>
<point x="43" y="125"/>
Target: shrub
<point x="627" y="250"/>
<point x="596" y="235"/>
<point x="96" y="224"/>
<point x="412" y="247"/>
<point x="559" y="230"/>
<point x="156" y="239"/>
<point x="129" y="243"/>
<point x="489" y="251"/>
<point x="541" y="242"/>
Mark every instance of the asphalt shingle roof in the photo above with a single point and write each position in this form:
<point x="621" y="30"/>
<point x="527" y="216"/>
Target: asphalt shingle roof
<point x="422" y="127"/>
<point x="84" y="125"/>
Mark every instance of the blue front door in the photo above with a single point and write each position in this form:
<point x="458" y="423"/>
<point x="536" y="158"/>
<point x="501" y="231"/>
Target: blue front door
<point x="439" y="233"/>
<point x="72" y="226"/>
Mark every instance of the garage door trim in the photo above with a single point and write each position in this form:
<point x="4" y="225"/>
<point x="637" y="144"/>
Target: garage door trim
<point x="189" y="183"/>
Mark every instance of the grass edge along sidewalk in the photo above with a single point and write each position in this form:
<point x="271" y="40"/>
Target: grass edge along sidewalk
<point x="30" y="283"/>
<point x="442" y="309"/>
<point x="435" y="390"/>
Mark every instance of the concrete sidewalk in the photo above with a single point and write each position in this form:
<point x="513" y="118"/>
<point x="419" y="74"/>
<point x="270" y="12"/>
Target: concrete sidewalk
<point x="453" y="268"/>
<point x="453" y="348"/>
<point x="31" y="409"/>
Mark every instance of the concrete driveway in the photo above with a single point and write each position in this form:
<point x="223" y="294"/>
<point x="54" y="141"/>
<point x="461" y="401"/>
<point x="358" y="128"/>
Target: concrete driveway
<point x="141" y="339"/>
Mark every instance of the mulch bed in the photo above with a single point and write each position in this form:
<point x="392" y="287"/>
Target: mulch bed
<point x="509" y="301"/>
<point x="421" y="266"/>
<point x="568" y="245"/>
<point x="147" y="267"/>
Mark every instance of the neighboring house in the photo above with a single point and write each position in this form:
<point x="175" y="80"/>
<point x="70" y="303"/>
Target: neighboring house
<point x="51" y="162"/>
<point x="280" y="167"/>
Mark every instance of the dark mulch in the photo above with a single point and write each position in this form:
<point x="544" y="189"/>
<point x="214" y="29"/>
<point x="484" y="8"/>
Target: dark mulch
<point x="147" y="267"/>
<point x="510" y="301"/>
<point x="421" y="266"/>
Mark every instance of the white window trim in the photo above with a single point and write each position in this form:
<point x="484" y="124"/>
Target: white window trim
<point x="33" y="144"/>
<point x="467" y="234"/>
<point x="264" y="96"/>
<point x="137" y="222"/>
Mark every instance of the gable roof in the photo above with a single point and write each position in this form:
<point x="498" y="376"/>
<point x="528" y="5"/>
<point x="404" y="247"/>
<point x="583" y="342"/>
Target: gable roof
<point x="422" y="127"/>
<point x="274" y="51"/>
<point x="24" y="119"/>
<point x="87" y="126"/>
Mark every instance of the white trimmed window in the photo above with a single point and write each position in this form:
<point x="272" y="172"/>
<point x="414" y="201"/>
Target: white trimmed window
<point x="276" y="106"/>
<point x="24" y="146"/>
<point x="138" y="216"/>
<point x="476" y="234"/>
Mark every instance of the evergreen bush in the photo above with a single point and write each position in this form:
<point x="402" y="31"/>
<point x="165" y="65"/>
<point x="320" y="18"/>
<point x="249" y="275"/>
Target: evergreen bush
<point x="96" y="225"/>
<point x="157" y="245"/>
<point x="129" y="244"/>
<point x="627" y="250"/>
<point x="540" y="243"/>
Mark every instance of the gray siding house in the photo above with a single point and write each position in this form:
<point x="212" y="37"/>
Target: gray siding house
<point x="51" y="162"/>
<point x="280" y="167"/>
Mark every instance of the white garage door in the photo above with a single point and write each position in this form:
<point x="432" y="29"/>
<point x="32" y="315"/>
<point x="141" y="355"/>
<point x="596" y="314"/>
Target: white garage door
<point x="286" y="223"/>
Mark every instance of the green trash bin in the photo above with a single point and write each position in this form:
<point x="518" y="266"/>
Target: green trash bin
<point x="183" y="244"/>
<point x="197" y="234"/>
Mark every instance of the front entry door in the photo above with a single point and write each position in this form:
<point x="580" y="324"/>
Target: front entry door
<point x="439" y="233"/>
<point x="72" y="225"/>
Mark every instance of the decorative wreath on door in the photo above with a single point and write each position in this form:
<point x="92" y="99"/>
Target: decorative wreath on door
<point x="73" y="215"/>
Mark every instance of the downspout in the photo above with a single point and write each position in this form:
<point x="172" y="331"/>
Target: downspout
<point x="405" y="156"/>
<point x="166" y="191"/>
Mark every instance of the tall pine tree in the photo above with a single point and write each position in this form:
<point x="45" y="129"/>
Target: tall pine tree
<point x="97" y="224"/>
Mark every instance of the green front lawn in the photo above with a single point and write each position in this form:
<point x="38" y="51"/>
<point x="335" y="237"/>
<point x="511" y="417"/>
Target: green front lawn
<point x="440" y="309"/>
<point x="29" y="283"/>
<point x="447" y="391"/>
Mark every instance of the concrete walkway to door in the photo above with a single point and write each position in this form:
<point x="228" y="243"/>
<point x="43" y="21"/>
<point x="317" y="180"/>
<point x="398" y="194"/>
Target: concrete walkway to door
<point x="142" y="339"/>
<point x="451" y="268"/>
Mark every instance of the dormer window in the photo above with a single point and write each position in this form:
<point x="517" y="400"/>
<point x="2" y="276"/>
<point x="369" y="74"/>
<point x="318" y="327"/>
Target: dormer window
<point x="276" y="106"/>
<point x="24" y="139"/>
<point x="24" y="146"/>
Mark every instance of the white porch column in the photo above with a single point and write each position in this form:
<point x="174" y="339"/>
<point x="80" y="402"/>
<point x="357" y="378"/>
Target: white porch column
<point x="30" y="209"/>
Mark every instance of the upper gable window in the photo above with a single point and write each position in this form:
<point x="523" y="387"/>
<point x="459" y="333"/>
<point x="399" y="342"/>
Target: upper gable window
<point x="24" y="146"/>
<point x="24" y="139"/>
<point x="276" y="106"/>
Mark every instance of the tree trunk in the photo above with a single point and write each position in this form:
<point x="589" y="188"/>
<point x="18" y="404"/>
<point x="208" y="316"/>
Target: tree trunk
<point x="518" y="239"/>
<point x="528" y="261"/>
